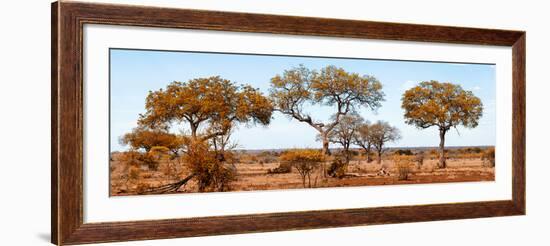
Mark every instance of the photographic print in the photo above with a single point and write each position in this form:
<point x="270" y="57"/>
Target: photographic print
<point x="188" y="122"/>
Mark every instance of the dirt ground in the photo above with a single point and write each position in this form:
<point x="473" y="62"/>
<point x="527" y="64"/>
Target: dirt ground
<point x="254" y="176"/>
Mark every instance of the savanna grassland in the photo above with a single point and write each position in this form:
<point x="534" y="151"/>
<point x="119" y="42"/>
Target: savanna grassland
<point x="264" y="170"/>
<point x="204" y="155"/>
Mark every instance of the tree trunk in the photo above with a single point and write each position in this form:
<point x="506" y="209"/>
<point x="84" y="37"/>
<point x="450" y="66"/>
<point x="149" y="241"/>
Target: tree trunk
<point x="368" y="155"/>
<point x="379" y="156"/>
<point x="442" y="162"/>
<point x="193" y="130"/>
<point x="326" y="150"/>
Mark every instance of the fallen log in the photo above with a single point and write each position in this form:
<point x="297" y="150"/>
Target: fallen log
<point x="172" y="187"/>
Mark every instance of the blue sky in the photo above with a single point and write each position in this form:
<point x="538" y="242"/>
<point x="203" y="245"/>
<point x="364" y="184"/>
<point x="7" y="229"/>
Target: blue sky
<point x="136" y="72"/>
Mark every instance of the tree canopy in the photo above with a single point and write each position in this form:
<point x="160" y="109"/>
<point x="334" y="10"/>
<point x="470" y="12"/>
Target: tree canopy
<point x="213" y="101"/>
<point x="380" y="133"/>
<point x="344" y="133"/>
<point x="331" y="86"/>
<point x="444" y="105"/>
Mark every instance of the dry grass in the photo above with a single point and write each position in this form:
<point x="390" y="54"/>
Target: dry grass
<point x="254" y="175"/>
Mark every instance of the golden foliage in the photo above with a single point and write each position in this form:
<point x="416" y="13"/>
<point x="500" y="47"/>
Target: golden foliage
<point x="211" y="173"/>
<point x="214" y="101"/>
<point x="444" y="105"/>
<point x="147" y="140"/>
<point x="305" y="161"/>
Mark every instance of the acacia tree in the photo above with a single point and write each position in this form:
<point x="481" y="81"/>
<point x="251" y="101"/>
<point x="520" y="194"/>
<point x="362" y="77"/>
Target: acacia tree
<point x="344" y="133"/>
<point x="443" y="105"/>
<point x="381" y="133"/>
<point x="363" y="139"/>
<point x="332" y="87"/>
<point x="210" y="107"/>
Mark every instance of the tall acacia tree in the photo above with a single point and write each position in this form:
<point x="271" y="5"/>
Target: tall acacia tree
<point x="332" y="87"/>
<point x="381" y="133"/>
<point x="210" y="107"/>
<point x="443" y="105"/>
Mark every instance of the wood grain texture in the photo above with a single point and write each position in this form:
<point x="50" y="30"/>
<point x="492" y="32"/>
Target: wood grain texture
<point x="68" y="19"/>
<point x="518" y="123"/>
<point x="54" y="125"/>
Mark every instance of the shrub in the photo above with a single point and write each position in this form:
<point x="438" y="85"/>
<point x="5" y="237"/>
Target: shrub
<point x="419" y="159"/>
<point x="143" y="188"/>
<point x="210" y="172"/>
<point x="337" y="169"/>
<point x="403" y="165"/>
<point x="136" y="159"/>
<point x="304" y="161"/>
<point x="282" y="168"/>
<point x="404" y="152"/>
<point x="150" y="160"/>
<point x="489" y="157"/>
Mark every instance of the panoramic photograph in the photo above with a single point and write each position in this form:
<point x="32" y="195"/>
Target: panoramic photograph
<point x="194" y="122"/>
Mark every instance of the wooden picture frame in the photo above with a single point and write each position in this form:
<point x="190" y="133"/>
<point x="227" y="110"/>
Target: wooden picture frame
<point x="68" y="19"/>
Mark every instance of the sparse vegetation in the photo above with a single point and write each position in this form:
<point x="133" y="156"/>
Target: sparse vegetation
<point x="207" y="112"/>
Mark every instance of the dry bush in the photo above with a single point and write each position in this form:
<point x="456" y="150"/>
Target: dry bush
<point x="489" y="157"/>
<point x="337" y="169"/>
<point x="149" y="159"/>
<point x="419" y="159"/>
<point x="172" y="168"/>
<point x="267" y="157"/>
<point x="211" y="173"/>
<point x="434" y="154"/>
<point x="403" y="165"/>
<point x="137" y="159"/>
<point x="282" y="168"/>
<point x="403" y="152"/>
<point x="305" y="161"/>
<point x="133" y="173"/>
<point x="143" y="187"/>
